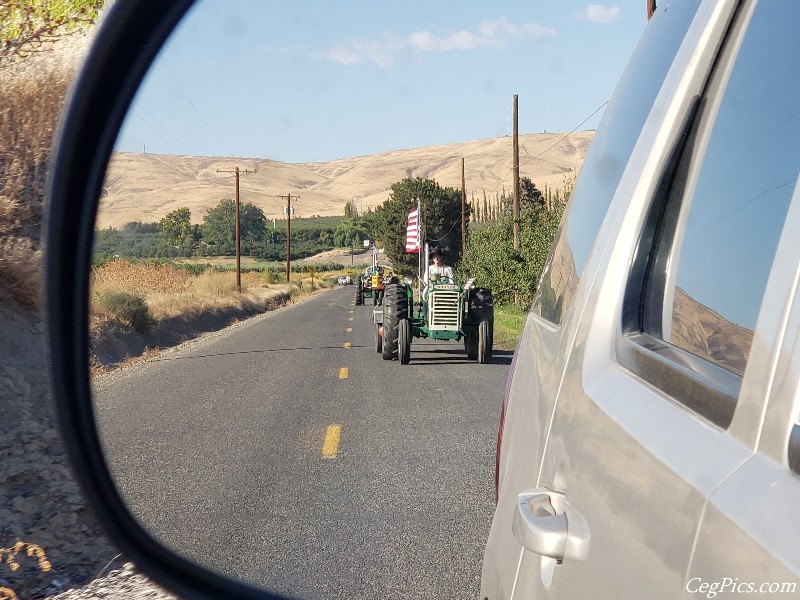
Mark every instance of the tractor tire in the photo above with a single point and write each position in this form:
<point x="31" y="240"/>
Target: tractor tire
<point x="485" y="335"/>
<point x="471" y="344"/>
<point x="359" y="293"/>
<point x="395" y="309"/>
<point x="378" y="338"/>
<point x="404" y="341"/>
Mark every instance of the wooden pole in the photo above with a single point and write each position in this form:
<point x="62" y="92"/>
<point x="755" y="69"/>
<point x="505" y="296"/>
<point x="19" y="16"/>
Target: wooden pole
<point x="463" y="212"/>
<point x="236" y="172"/>
<point x="516" y="176"/>
<point x="238" y="239"/>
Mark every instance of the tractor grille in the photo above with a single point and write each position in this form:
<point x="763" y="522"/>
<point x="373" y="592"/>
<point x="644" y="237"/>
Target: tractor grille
<point x="444" y="310"/>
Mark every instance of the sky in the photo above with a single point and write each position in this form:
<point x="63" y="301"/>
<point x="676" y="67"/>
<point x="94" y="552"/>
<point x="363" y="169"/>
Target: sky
<point x="316" y="81"/>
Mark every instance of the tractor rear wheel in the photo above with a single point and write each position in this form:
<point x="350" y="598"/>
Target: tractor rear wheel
<point x="395" y="309"/>
<point x="359" y="293"/>
<point x="485" y="335"/>
<point x="481" y="305"/>
<point x="404" y="341"/>
<point x="378" y="338"/>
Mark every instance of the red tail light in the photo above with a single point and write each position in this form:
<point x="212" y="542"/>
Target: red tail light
<point x="506" y="393"/>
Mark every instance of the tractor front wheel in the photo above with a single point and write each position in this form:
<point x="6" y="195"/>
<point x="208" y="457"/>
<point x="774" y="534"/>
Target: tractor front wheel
<point x="404" y="341"/>
<point x="484" y="342"/>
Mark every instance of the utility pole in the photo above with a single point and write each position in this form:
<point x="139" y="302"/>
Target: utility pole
<point x="651" y="8"/>
<point x="516" y="176"/>
<point x="288" y="198"/>
<point x="463" y="211"/>
<point x="236" y="172"/>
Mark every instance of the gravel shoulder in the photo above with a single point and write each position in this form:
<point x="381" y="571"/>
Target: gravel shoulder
<point x="41" y="506"/>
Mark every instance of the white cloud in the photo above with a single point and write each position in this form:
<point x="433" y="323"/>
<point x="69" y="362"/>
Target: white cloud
<point x="382" y="52"/>
<point x="596" y="13"/>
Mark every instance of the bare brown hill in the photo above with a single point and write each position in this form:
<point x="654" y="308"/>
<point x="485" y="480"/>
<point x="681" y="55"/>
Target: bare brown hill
<point x="145" y="187"/>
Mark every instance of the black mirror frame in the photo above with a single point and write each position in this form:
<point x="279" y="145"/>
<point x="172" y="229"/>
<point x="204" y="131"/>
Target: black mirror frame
<point x="127" y="40"/>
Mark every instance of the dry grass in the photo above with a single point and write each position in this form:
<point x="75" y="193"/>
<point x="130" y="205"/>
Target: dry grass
<point x="172" y="292"/>
<point x="33" y="92"/>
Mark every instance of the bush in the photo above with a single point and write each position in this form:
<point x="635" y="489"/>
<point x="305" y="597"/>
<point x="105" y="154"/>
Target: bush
<point x="493" y="262"/>
<point x="130" y="309"/>
<point x="269" y="277"/>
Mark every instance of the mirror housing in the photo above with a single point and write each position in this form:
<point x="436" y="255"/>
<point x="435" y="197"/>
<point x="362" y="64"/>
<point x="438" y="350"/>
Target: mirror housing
<point x="127" y="39"/>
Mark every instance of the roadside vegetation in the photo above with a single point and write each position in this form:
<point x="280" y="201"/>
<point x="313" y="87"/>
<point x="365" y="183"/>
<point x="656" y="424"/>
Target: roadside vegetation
<point x="148" y="275"/>
<point x="33" y="85"/>
<point x="159" y="299"/>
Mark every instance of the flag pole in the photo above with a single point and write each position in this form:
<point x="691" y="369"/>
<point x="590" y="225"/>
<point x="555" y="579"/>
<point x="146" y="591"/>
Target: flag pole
<point x="419" y="254"/>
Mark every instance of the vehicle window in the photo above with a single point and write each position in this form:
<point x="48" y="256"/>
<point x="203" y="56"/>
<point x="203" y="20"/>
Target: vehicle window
<point x="623" y="120"/>
<point x="714" y="244"/>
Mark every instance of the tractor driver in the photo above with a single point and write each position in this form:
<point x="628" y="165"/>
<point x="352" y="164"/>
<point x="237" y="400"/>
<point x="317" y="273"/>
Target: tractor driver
<point x="438" y="268"/>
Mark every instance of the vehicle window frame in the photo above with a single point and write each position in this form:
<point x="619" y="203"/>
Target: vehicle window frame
<point x="698" y="384"/>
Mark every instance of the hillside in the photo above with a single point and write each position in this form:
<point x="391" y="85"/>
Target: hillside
<point x="145" y="187"/>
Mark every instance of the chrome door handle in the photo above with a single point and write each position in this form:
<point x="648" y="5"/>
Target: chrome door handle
<point x="546" y="524"/>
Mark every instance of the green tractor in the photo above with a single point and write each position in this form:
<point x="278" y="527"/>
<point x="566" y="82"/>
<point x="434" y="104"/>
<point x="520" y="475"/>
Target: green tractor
<point x="447" y="312"/>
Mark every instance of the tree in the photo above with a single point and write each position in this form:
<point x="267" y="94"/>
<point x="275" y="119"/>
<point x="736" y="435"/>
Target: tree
<point x="219" y="227"/>
<point x="27" y="25"/>
<point x="176" y="227"/>
<point x="492" y="260"/>
<point x="441" y="208"/>
<point x="350" y="211"/>
<point x="529" y="194"/>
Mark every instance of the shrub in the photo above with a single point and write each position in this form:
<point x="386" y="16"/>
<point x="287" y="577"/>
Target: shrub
<point x="269" y="276"/>
<point x="493" y="262"/>
<point x="130" y="309"/>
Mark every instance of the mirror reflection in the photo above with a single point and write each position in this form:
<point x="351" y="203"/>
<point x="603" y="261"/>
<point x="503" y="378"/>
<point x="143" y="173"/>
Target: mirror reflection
<point x="249" y="416"/>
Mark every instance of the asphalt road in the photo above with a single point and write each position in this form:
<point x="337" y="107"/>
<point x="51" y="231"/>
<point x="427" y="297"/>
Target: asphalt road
<point x="286" y="452"/>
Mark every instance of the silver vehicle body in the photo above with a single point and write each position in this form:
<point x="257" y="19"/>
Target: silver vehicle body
<point x="649" y="443"/>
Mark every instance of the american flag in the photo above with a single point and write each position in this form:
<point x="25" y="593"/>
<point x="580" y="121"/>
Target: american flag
<point x="412" y="232"/>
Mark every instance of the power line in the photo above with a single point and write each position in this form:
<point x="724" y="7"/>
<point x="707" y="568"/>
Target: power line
<point x="499" y="183"/>
<point x="195" y="108"/>
<point x="138" y="107"/>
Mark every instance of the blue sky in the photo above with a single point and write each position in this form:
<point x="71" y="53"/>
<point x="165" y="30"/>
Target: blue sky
<point x="316" y="81"/>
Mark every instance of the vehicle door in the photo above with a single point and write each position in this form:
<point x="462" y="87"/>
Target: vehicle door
<point x="543" y="350"/>
<point x="661" y="398"/>
<point x="749" y="538"/>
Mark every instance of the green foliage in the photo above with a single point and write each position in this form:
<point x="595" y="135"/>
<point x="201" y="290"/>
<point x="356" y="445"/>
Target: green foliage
<point x="130" y="309"/>
<point x="509" y="321"/>
<point x="442" y="213"/>
<point x="350" y="211"/>
<point x="193" y="268"/>
<point x="176" y="228"/>
<point x="25" y="25"/>
<point x="219" y="227"/>
<point x="493" y="262"/>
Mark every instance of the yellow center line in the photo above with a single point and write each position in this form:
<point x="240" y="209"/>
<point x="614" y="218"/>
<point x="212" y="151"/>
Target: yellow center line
<point x="344" y="373"/>
<point x="348" y="345"/>
<point x="350" y="319"/>
<point x="331" y="446"/>
<point x="349" y="330"/>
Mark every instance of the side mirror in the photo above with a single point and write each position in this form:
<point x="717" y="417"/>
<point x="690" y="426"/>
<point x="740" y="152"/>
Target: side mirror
<point x="127" y="40"/>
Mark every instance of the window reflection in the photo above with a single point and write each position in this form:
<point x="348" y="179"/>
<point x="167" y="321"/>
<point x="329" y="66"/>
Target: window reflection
<point x="741" y="195"/>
